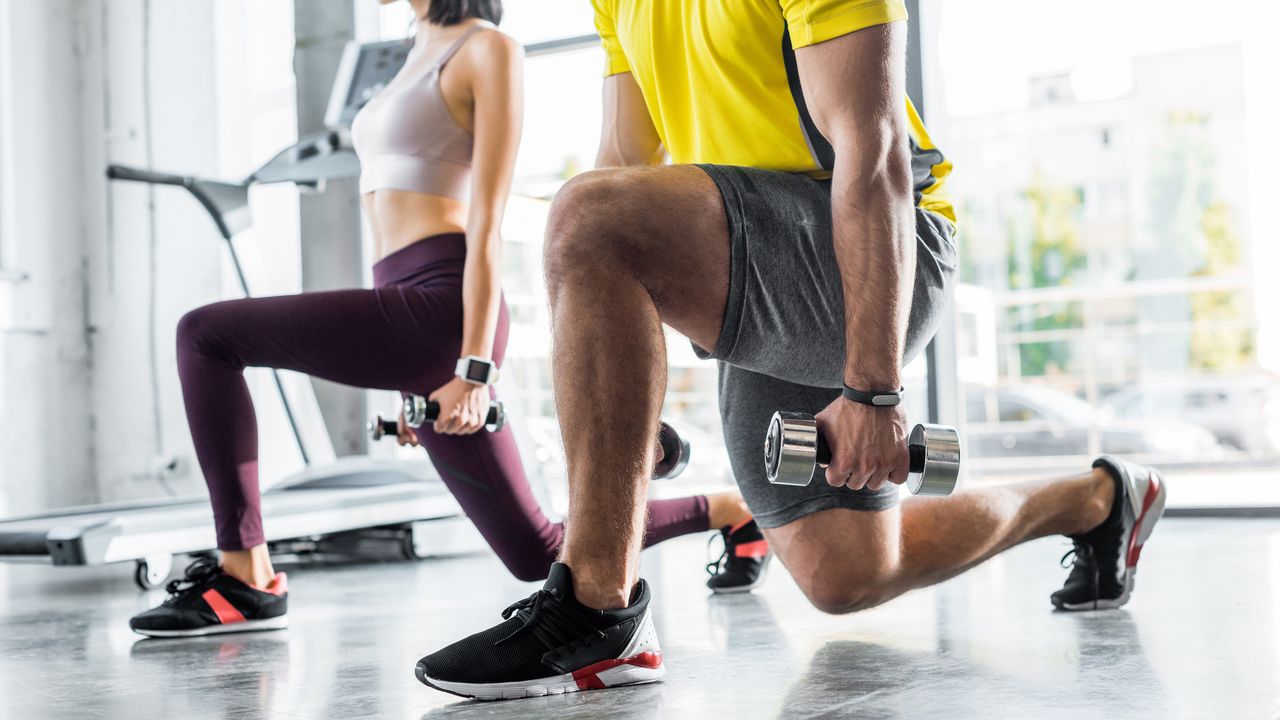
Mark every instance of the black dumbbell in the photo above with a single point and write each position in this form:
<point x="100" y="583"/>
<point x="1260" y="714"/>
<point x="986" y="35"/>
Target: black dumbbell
<point x="675" y="453"/>
<point x="419" y="411"/>
<point x="793" y="448"/>
<point x="380" y="427"/>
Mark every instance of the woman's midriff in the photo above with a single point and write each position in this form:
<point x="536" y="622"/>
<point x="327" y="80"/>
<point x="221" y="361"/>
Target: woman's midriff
<point x="400" y="218"/>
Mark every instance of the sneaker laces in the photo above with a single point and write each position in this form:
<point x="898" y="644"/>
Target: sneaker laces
<point x="203" y="571"/>
<point x="713" y="567"/>
<point x="1083" y="560"/>
<point x="548" y="618"/>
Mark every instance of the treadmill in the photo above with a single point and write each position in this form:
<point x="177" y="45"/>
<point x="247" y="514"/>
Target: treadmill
<point x="352" y="505"/>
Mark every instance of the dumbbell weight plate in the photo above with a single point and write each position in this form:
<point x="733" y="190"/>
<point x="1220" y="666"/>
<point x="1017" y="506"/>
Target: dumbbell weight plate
<point x="790" y="447"/>
<point x="675" y="453"/>
<point x="935" y="448"/>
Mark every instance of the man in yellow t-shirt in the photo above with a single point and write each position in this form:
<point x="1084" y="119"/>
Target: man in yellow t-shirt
<point x="800" y="237"/>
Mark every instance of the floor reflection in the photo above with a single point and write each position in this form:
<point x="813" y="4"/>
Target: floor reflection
<point x="1199" y="640"/>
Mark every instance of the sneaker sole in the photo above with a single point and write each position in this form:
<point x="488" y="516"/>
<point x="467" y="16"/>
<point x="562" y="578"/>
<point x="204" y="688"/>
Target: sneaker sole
<point x="739" y="589"/>
<point x="275" y="623"/>
<point x="637" y="670"/>
<point x="1145" y="526"/>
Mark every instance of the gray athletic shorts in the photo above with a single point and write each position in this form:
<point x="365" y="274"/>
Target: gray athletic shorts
<point x="781" y="345"/>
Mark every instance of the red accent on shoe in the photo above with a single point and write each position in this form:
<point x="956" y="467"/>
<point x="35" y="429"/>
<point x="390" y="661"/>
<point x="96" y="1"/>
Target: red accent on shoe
<point x="588" y="677"/>
<point x="1135" y="549"/>
<point x="753" y="549"/>
<point x="735" y="528"/>
<point x="225" y="611"/>
<point x="278" y="586"/>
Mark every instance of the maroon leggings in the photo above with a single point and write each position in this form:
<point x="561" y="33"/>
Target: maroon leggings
<point x="404" y="335"/>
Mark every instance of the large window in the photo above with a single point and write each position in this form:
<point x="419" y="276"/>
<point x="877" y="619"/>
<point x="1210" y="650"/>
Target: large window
<point x="1116" y="244"/>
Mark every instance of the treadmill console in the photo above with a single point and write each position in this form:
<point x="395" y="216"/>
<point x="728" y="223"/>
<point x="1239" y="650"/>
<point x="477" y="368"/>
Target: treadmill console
<point x="365" y="69"/>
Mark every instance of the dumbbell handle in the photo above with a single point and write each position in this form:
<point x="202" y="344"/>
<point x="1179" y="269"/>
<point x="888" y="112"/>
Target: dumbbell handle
<point x="822" y="451"/>
<point x="419" y="412"/>
<point x="380" y="427"/>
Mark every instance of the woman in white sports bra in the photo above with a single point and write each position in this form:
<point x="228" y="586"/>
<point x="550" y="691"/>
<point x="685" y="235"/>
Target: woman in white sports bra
<point x="437" y="149"/>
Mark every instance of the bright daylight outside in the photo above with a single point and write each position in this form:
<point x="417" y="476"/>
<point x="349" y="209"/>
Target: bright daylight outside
<point x="1114" y="223"/>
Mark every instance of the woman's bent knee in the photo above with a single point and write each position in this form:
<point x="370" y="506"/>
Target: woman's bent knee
<point x="198" y="325"/>
<point x="206" y="333"/>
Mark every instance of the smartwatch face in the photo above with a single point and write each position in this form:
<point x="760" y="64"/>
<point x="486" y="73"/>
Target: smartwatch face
<point x="477" y="372"/>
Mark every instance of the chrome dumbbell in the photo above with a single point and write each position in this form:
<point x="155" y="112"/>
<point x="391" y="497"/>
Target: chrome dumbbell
<point x="793" y="448"/>
<point x="419" y="411"/>
<point x="675" y="453"/>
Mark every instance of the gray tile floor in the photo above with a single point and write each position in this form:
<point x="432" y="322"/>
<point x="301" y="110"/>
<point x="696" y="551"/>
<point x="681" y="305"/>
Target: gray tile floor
<point x="1201" y="639"/>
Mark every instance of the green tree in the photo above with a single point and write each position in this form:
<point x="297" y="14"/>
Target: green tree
<point x="1196" y="237"/>
<point x="1045" y="251"/>
<point x="1219" y="342"/>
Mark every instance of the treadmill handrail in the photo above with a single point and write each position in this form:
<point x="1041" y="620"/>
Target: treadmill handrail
<point x="124" y="172"/>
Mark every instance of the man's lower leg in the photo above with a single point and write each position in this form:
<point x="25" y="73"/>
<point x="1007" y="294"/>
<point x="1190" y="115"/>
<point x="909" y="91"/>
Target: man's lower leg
<point x="610" y="375"/>
<point x="943" y="537"/>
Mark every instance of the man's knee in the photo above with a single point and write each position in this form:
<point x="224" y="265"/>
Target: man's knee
<point x="840" y="594"/>
<point x="585" y="228"/>
<point x="837" y="581"/>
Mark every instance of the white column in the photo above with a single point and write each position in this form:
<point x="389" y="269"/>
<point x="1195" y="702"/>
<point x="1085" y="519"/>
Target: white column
<point x="45" y="222"/>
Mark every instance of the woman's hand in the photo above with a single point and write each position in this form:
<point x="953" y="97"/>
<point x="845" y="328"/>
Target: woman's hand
<point x="463" y="407"/>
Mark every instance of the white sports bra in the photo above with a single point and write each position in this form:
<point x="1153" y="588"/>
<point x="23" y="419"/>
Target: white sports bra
<point x="407" y="140"/>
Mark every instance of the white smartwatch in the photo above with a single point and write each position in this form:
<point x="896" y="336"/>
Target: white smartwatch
<point x="477" y="370"/>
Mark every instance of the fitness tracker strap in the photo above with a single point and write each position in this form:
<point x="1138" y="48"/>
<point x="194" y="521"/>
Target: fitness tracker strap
<point x="477" y="370"/>
<point x="878" y="399"/>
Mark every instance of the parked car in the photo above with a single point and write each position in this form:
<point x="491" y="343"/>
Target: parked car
<point x="1025" y="420"/>
<point x="1242" y="412"/>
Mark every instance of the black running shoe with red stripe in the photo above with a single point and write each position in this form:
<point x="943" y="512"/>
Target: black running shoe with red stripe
<point x="207" y="601"/>
<point x="744" y="561"/>
<point x="1106" y="558"/>
<point x="549" y="644"/>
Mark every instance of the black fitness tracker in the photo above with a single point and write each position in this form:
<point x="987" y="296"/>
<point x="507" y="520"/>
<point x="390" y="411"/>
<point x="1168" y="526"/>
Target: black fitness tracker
<point x="878" y="398"/>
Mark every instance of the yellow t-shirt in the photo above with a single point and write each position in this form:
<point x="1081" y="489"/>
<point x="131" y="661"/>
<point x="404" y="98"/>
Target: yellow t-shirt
<point x="720" y="82"/>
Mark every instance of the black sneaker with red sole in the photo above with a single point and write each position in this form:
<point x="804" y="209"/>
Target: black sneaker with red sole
<point x="744" y="561"/>
<point x="207" y="601"/>
<point x="549" y="644"/>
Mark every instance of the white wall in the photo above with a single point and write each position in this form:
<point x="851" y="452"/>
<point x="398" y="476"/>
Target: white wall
<point x="90" y="405"/>
<point x="45" y="426"/>
<point x="159" y="255"/>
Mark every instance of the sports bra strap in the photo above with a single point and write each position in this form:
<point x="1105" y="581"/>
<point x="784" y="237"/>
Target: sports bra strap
<point x="457" y="44"/>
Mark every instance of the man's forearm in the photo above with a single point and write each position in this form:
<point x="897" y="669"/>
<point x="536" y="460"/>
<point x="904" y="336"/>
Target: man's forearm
<point x="874" y="233"/>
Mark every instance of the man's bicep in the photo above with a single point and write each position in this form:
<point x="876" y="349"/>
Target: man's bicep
<point x="627" y="135"/>
<point x="854" y="87"/>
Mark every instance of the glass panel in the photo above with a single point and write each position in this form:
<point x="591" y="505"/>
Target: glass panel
<point x="1115" y="237"/>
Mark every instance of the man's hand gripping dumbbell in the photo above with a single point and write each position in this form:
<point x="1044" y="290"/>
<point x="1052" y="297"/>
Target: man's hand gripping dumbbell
<point x="794" y="447"/>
